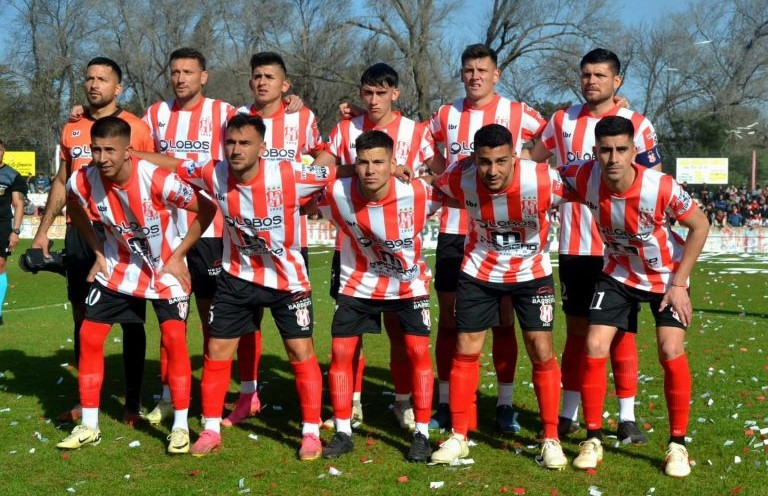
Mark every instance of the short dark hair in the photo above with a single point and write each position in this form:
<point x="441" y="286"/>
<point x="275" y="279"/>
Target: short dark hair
<point x="380" y="74"/>
<point x="109" y="63"/>
<point x="110" y="127"/>
<point x="268" y="58"/>
<point x="602" y="56"/>
<point x="479" y="51"/>
<point x="492" y="136"/>
<point x="188" y="53"/>
<point x="373" y="139"/>
<point x="239" y="121"/>
<point x="614" y="125"/>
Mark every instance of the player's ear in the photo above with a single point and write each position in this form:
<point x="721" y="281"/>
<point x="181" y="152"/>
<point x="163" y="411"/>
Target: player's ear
<point x="496" y="75"/>
<point x="617" y="80"/>
<point x="204" y="78"/>
<point x="118" y="89"/>
<point x="395" y="94"/>
<point x="286" y="85"/>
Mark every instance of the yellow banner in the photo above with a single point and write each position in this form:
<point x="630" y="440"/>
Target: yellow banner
<point x="23" y="162"/>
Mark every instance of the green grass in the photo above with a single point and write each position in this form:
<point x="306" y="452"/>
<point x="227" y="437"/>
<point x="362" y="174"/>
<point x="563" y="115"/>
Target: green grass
<point x="727" y="346"/>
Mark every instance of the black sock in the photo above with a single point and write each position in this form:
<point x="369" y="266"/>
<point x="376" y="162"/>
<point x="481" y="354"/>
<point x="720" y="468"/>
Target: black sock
<point x="598" y="433"/>
<point x="134" y="351"/>
<point x="677" y="439"/>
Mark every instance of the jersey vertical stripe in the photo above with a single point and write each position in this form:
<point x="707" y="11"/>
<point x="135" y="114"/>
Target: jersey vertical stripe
<point x="455" y="126"/>
<point x="381" y="251"/>
<point x="140" y="226"/>
<point x="261" y="235"/>
<point x="570" y="136"/>
<point x="507" y="242"/>
<point x="641" y="249"/>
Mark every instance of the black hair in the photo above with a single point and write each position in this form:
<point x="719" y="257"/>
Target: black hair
<point x="380" y="74"/>
<point x="373" y="139"/>
<point x="479" y="51"/>
<point x="240" y="121"/>
<point x="602" y="56"/>
<point x="109" y="63"/>
<point x="492" y="136"/>
<point x="614" y="125"/>
<point x="188" y="53"/>
<point x="111" y="127"/>
<point x="268" y="58"/>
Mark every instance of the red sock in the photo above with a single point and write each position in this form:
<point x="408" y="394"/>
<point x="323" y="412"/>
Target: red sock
<point x="677" y="390"/>
<point x="422" y="377"/>
<point x="624" y="364"/>
<point x="546" y="383"/>
<point x="340" y="377"/>
<point x="91" y="374"/>
<point x="573" y="353"/>
<point x="248" y="356"/>
<point x="358" y="367"/>
<point x="445" y="347"/>
<point x="214" y="386"/>
<point x="174" y="336"/>
<point x="401" y="376"/>
<point x="465" y="377"/>
<point x="593" y="386"/>
<point x="504" y="350"/>
<point x="309" y="385"/>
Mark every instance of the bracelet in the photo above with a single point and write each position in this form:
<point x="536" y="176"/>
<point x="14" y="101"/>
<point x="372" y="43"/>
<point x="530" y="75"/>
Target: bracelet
<point x="679" y="285"/>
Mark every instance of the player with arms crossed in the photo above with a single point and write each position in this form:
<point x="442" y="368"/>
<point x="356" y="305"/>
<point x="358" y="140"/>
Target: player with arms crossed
<point x="382" y="270"/>
<point x="645" y="261"/>
<point x="141" y="259"/>
<point x="508" y="200"/>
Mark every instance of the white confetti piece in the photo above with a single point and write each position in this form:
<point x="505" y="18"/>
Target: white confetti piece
<point x="462" y="461"/>
<point x="737" y="459"/>
<point x="710" y="402"/>
<point x="471" y="443"/>
<point x="735" y="416"/>
<point x="436" y="484"/>
<point x="606" y="414"/>
<point x="32" y="451"/>
<point x="64" y="365"/>
<point x="134" y="444"/>
<point x="241" y="483"/>
<point x="594" y="491"/>
<point x="117" y="340"/>
<point x="4" y="410"/>
<point x="127" y="476"/>
<point x="13" y="424"/>
<point x="728" y="443"/>
<point x="59" y="380"/>
<point x="253" y="436"/>
<point x="334" y="471"/>
<point x="71" y="490"/>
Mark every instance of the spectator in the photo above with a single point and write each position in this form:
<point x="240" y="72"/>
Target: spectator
<point x="42" y="183"/>
<point x="721" y="203"/>
<point x="735" y="219"/>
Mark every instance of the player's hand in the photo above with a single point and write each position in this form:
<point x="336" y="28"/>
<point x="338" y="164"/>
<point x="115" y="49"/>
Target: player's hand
<point x="404" y="174"/>
<point x="293" y="103"/>
<point x="41" y="241"/>
<point x="176" y="268"/>
<point x="100" y="265"/>
<point x="13" y="240"/>
<point x="348" y="111"/>
<point x="677" y="297"/>
<point x="621" y="101"/>
<point x="76" y="113"/>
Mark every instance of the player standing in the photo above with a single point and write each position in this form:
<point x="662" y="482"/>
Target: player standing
<point x="141" y="258"/>
<point x="645" y="261"/>
<point x="508" y="200"/>
<point x="13" y="189"/>
<point x="569" y="135"/>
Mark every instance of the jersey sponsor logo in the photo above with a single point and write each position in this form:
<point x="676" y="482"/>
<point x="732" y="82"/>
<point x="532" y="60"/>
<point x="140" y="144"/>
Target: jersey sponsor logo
<point x="274" y="198"/>
<point x="220" y="197"/>
<point x="421" y="303"/>
<point x="566" y="134"/>
<point x="682" y="203"/>
<point x="258" y="223"/>
<point x="190" y="168"/>
<point x="185" y="192"/>
<point x="405" y="219"/>
<point x="134" y="227"/>
<point x="149" y="210"/>
<point x="461" y="148"/>
<point x="451" y="127"/>
<point x="102" y="208"/>
<point x="501" y="224"/>
<point x="80" y="151"/>
<point x="530" y="207"/>
<point x="184" y="146"/>
<point x="390" y="266"/>
<point x="75" y="133"/>
<point x="318" y="171"/>
<point x="392" y="244"/>
<point x="470" y="204"/>
<point x="279" y="154"/>
<point x="623" y="234"/>
<point x="573" y="156"/>
<point x="255" y="246"/>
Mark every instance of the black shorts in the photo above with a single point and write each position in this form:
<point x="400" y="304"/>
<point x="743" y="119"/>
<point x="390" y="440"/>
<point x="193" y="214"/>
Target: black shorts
<point x="204" y="261"/>
<point x="355" y="316"/>
<point x="305" y="256"/>
<point x="477" y="303"/>
<point x="578" y="276"/>
<point x="237" y="303"/>
<point x="79" y="262"/>
<point x="615" y="304"/>
<point x="5" y="233"/>
<point x="110" y="307"/>
<point x="448" y="258"/>
<point x="335" y="274"/>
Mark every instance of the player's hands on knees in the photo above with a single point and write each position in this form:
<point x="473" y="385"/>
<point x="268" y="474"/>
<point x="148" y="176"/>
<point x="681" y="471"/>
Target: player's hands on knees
<point x="293" y="103"/>
<point x="677" y="297"/>
<point x="178" y="269"/>
<point x="100" y="265"/>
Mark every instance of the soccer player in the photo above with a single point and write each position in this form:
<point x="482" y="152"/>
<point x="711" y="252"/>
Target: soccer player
<point x="141" y="258"/>
<point x="381" y="270"/>
<point x="290" y="137"/>
<point x="453" y="126"/>
<point x="102" y="88"/>
<point x="262" y="268"/>
<point x="508" y="200"/>
<point x="645" y="261"/>
<point x="13" y="189"/>
<point x="413" y="147"/>
<point x="569" y="135"/>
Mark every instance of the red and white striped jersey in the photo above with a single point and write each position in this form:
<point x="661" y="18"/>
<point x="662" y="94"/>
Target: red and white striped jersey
<point x="641" y="250"/>
<point x="381" y="249"/>
<point x="508" y="239"/>
<point x="570" y="136"/>
<point x="261" y="217"/>
<point x="290" y="137"/>
<point x="454" y="125"/>
<point x="139" y="218"/>
<point x="195" y="134"/>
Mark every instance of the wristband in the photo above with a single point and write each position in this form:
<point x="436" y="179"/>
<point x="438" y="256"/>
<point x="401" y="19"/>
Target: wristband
<point x="685" y="286"/>
<point x="16" y="231"/>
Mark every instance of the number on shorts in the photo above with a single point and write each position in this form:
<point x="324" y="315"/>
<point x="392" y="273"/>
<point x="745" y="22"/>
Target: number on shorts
<point x="597" y="300"/>
<point x="94" y="295"/>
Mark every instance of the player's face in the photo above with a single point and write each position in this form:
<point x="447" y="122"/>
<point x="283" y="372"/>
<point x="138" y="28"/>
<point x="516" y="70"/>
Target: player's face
<point x="243" y="148"/>
<point x="110" y="155"/>
<point x="598" y="82"/>
<point x="495" y="165"/>
<point x="479" y="77"/>
<point x="101" y="86"/>
<point x="378" y="99"/>
<point x="374" y="167"/>
<point x="187" y="78"/>
<point x="268" y="83"/>
<point x="615" y="155"/>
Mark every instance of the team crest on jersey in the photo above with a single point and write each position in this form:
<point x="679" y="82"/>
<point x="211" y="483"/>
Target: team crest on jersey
<point x="302" y="317"/>
<point x="405" y="219"/>
<point x="502" y="121"/>
<point x="274" y="198"/>
<point x="529" y="207"/>
<point x="425" y="317"/>
<point x="401" y="151"/>
<point x="183" y="307"/>
<point x="206" y="126"/>
<point x="546" y="313"/>
<point x="149" y="210"/>
<point x="291" y="133"/>
<point x="645" y="220"/>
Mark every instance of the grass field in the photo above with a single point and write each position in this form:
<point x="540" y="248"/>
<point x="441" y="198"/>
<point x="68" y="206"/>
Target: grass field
<point x="727" y="345"/>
